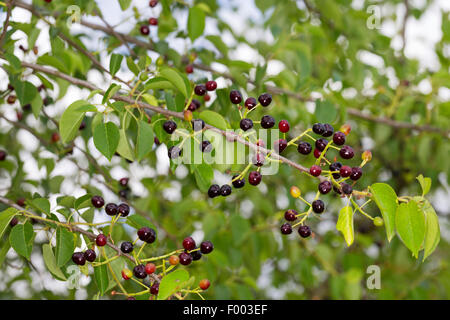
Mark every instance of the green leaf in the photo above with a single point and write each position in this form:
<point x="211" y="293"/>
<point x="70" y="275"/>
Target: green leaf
<point x="432" y="230"/>
<point x="124" y="148"/>
<point x="176" y="79"/>
<point x="101" y="278"/>
<point x="144" y="141"/>
<point x="345" y="224"/>
<point x="214" y="119"/>
<point x="5" y="218"/>
<point x="171" y="283"/>
<point x="239" y="228"/>
<point x="114" y="63"/>
<point x="196" y="22"/>
<point x="410" y="225"/>
<point x="106" y="139"/>
<point x="132" y="66"/>
<point x="83" y="202"/>
<point x="71" y="119"/>
<point x="21" y="239"/>
<point x="158" y="83"/>
<point x="203" y="176"/>
<point x="112" y="90"/>
<point x="137" y="221"/>
<point x="325" y="111"/>
<point x="124" y="4"/>
<point x="41" y="204"/>
<point x="65" y="245"/>
<point x="50" y="262"/>
<point x="425" y="183"/>
<point x="386" y="200"/>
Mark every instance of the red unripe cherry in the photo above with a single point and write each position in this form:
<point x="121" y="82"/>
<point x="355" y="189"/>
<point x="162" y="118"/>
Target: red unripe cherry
<point x="283" y="125"/>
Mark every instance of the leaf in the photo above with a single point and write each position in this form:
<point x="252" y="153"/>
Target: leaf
<point x="106" y="139"/>
<point x="144" y="140"/>
<point x="112" y="90"/>
<point x="345" y="224"/>
<point x="101" y="278"/>
<point x="410" y="225"/>
<point x="124" y="148"/>
<point x="171" y="283"/>
<point x="21" y="239"/>
<point x="71" y="119"/>
<point x="325" y="111"/>
<point x="138" y="222"/>
<point x="25" y="91"/>
<point x="386" y="200"/>
<point x="41" y="204"/>
<point x="83" y="202"/>
<point x="65" y="245"/>
<point x="196" y="23"/>
<point x="425" y="183"/>
<point x="239" y="228"/>
<point x="203" y="176"/>
<point x="176" y="79"/>
<point x="114" y="63"/>
<point x="5" y="218"/>
<point x="432" y="230"/>
<point x="50" y="262"/>
<point x="214" y="119"/>
<point x="132" y="66"/>
<point x="158" y="83"/>
<point x="124" y="4"/>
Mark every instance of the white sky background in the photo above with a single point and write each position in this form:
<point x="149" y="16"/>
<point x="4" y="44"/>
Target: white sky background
<point x="421" y="37"/>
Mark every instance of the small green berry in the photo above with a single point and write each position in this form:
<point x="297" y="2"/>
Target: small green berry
<point x="378" y="222"/>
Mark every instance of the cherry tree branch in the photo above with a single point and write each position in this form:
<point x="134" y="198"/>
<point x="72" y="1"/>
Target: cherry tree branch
<point x="272" y="89"/>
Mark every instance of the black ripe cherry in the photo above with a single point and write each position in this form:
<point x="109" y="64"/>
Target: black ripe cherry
<point x="111" y="209"/>
<point x="325" y="187"/>
<point x="265" y="99"/>
<point x="90" y="255"/>
<point x="196" y="255"/>
<point x="304" y="148"/>
<point x="123" y="209"/>
<point x="290" y="215"/>
<point x="336" y="166"/>
<point x="246" y="124"/>
<point x="304" y="231"/>
<point x="267" y="122"/>
<point x="185" y="258"/>
<point x="328" y="130"/>
<point x="214" y="191"/>
<point x="346" y="188"/>
<point x="318" y="128"/>
<point x="198" y="124"/>
<point x="339" y="138"/>
<point x="124" y="182"/>
<point x="258" y="160"/>
<point x="317" y="153"/>
<point x="250" y="103"/>
<point x="147" y="234"/>
<point x="235" y="97"/>
<point x="225" y="190"/>
<point x="139" y="271"/>
<point x="169" y="126"/>
<point x="356" y="173"/>
<point x="254" y="178"/>
<point x="321" y="144"/>
<point x="346" y="152"/>
<point x="318" y="206"/>
<point x="200" y="89"/>
<point x="78" y="258"/>
<point x="189" y="68"/>
<point x="126" y="247"/>
<point x="153" y="3"/>
<point x="206" y="247"/>
<point x="153" y="21"/>
<point x="206" y="146"/>
<point x="286" y="228"/>
<point x="154" y="289"/>
<point x="237" y="183"/>
<point x="97" y="201"/>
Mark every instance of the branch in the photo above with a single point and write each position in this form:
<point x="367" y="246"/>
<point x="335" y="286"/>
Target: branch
<point x="5" y="25"/>
<point x="272" y="89"/>
<point x="88" y="234"/>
